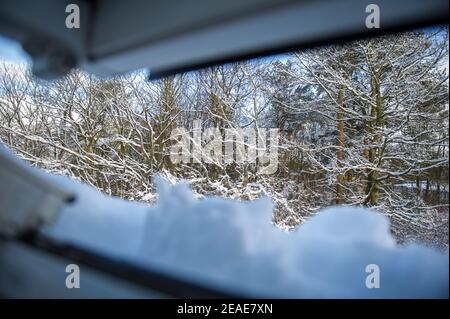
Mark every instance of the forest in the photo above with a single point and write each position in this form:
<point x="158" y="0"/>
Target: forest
<point x="363" y="123"/>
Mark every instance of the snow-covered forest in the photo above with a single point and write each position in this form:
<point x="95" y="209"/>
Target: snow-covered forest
<point x="365" y="123"/>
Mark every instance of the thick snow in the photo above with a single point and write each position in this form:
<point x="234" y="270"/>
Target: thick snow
<point x="234" y="245"/>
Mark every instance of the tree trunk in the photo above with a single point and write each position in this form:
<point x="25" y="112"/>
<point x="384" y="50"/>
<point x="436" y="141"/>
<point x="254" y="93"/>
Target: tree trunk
<point x="340" y="145"/>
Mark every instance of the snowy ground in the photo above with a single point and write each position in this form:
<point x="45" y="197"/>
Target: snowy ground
<point x="234" y="245"/>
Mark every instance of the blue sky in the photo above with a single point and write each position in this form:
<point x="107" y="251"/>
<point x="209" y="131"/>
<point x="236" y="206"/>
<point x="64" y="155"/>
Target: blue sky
<point x="11" y="50"/>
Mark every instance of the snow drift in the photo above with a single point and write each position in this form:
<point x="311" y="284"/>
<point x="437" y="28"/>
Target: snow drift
<point x="235" y="246"/>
